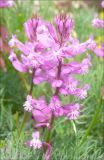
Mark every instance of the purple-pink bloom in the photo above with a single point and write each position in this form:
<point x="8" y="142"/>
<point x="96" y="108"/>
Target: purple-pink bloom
<point x="82" y="93"/>
<point x="77" y="68"/>
<point x="29" y="104"/>
<point x="6" y="3"/>
<point x="54" y="103"/>
<point x="41" y="113"/>
<point x="16" y="63"/>
<point x="35" y="142"/>
<point x="24" y="48"/>
<point x="69" y="86"/>
<point x="102" y="4"/>
<point x="64" y="25"/>
<point x="29" y="58"/>
<point x="31" y="26"/>
<point x="71" y="111"/>
<point x="99" y="51"/>
<point x="98" y="23"/>
<point x="55" y="106"/>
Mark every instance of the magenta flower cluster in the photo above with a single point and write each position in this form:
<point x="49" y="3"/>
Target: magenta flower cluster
<point x="99" y="23"/>
<point x="6" y="3"/>
<point x="43" y="56"/>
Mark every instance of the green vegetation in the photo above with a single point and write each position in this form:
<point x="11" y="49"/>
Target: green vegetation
<point x="75" y="140"/>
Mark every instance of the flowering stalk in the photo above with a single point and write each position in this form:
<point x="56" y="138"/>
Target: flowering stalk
<point x="58" y="77"/>
<point x="31" y="87"/>
<point x="26" y="113"/>
<point x="52" y="118"/>
<point x="46" y="49"/>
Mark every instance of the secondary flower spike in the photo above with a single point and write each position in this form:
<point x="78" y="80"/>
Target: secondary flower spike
<point x="99" y="23"/>
<point x="6" y="3"/>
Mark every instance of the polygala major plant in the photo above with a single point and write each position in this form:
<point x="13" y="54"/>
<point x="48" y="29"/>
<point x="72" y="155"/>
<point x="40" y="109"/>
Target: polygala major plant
<point x="44" y="57"/>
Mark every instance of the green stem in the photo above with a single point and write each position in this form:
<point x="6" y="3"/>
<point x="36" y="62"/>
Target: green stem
<point x="48" y="137"/>
<point x="49" y="131"/>
<point x="26" y="113"/>
<point x="22" y="124"/>
<point x="92" y="122"/>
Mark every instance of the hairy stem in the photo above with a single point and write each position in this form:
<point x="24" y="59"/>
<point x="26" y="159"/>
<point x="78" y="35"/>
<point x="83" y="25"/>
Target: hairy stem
<point x="26" y="113"/>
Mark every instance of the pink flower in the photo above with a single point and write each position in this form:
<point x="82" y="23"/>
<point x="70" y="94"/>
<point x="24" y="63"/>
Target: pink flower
<point x="41" y="113"/>
<point x="102" y="4"/>
<point x="29" y="58"/>
<point x="99" y="51"/>
<point x="6" y="3"/>
<point x="31" y="28"/>
<point x="16" y="63"/>
<point x="82" y="93"/>
<point x="64" y="25"/>
<point x="24" y="48"/>
<point x="85" y="65"/>
<point x="71" y="111"/>
<point x="57" y="83"/>
<point x="35" y="142"/>
<point x="29" y="104"/>
<point x="77" y="68"/>
<point x="69" y="86"/>
<point x="55" y="105"/>
<point x="98" y="23"/>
